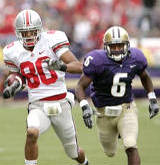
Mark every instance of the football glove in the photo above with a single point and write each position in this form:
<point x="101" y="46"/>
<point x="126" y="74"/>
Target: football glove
<point x="10" y="91"/>
<point x="153" y="107"/>
<point x="87" y="115"/>
<point x="55" y="64"/>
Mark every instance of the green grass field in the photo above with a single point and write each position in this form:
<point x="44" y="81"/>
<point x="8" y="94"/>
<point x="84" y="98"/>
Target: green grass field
<point x="12" y="139"/>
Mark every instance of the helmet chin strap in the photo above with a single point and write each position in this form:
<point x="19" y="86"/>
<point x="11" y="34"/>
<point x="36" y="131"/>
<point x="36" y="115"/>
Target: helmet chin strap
<point x="31" y="44"/>
<point x="119" y="57"/>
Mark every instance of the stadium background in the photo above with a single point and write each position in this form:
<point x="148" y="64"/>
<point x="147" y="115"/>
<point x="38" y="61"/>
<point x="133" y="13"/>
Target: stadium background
<point x="84" y="22"/>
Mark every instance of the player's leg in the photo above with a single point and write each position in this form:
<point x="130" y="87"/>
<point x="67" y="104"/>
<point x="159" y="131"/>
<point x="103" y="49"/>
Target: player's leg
<point x="65" y="129"/>
<point x="31" y="147"/>
<point x="128" y="129"/>
<point x="108" y="134"/>
<point x="37" y="122"/>
<point x="133" y="156"/>
<point x="81" y="157"/>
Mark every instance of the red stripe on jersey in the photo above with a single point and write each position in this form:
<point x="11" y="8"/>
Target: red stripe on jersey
<point x="51" y="31"/>
<point x="10" y="64"/>
<point x="54" y="98"/>
<point x="60" y="46"/>
<point x="10" y="45"/>
<point x="27" y="18"/>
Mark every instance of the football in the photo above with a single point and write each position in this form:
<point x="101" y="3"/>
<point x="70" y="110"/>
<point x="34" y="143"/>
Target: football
<point x="12" y="85"/>
<point x="14" y="77"/>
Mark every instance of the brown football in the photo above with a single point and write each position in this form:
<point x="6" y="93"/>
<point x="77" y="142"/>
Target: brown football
<point x="12" y="77"/>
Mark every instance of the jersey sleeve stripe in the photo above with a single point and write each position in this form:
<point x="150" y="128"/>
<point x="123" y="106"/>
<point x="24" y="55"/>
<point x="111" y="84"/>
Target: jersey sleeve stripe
<point x="8" y="63"/>
<point x="55" y="49"/>
<point x="60" y="43"/>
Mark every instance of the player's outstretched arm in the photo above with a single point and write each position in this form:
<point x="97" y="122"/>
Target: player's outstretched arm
<point x="87" y="111"/>
<point x="148" y="86"/>
<point x="72" y="63"/>
<point x="67" y="63"/>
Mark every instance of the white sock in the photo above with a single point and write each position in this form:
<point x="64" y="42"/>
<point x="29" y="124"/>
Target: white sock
<point x="30" y="162"/>
<point x="85" y="161"/>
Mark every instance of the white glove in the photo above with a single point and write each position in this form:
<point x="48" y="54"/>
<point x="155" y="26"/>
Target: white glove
<point x="55" y="64"/>
<point x="10" y="91"/>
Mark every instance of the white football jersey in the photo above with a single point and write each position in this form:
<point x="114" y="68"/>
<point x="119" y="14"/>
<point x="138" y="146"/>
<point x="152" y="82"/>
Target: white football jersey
<point x="41" y="82"/>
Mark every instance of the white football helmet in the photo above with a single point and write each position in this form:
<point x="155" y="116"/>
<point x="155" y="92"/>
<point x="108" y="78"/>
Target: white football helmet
<point x="28" y="21"/>
<point x="116" y="35"/>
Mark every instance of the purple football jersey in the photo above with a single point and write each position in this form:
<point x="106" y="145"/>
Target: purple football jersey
<point x="112" y="81"/>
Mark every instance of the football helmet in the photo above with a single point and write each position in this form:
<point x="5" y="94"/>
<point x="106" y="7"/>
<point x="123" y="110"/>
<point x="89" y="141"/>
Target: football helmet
<point x="28" y="27"/>
<point x="114" y="37"/>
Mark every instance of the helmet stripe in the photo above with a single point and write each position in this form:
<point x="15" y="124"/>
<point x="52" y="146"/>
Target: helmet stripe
<point x="113" y="33"/>
<point x="23" y="19"/>
<point x="30" y="20"/>
<point x="27" y="18"/>
<point x="118" y="32"/>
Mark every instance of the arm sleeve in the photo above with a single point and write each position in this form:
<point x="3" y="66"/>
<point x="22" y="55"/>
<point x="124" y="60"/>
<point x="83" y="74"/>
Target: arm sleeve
<point x="89" y="68"/>
<point x="141" y="61"/>
<point x="59" y="43"/>
<point x="10" y="61"/>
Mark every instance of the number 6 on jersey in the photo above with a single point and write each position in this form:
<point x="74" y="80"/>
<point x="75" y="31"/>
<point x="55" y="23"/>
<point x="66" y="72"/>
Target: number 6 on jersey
<point x="119" y="88"/>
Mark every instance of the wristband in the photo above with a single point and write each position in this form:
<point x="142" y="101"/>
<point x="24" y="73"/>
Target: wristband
<point x="63" y="68"/>
<point x="151" y="95"/>
<point x="83" y="102"/>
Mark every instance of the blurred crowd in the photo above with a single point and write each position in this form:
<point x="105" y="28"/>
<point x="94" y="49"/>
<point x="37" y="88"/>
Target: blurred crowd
<point x="84" y="21"/>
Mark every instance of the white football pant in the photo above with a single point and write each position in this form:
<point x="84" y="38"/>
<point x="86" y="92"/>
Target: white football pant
<point x="61" y="121"/>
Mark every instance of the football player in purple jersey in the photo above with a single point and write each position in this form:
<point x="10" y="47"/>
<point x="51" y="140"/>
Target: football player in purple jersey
<point x="109" y="73"/>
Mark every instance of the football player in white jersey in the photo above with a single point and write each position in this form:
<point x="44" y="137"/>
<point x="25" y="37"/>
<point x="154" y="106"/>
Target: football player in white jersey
<point x="41" y="59"/>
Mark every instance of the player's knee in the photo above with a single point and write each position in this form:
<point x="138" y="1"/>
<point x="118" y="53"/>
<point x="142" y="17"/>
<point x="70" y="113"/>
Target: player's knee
<point x="71" y="150"/>
<point x="129" y="142"/>
<point x="109" y="148"/>
<point x="109" y="154"/>
<point x="32" y="134"/>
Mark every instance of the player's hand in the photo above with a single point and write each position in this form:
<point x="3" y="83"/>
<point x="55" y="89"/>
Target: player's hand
<point x="10" y="91"/>
<point x="55" y="64"/>
<point x="153" y="108"/>
<point x="87" y="115"/>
